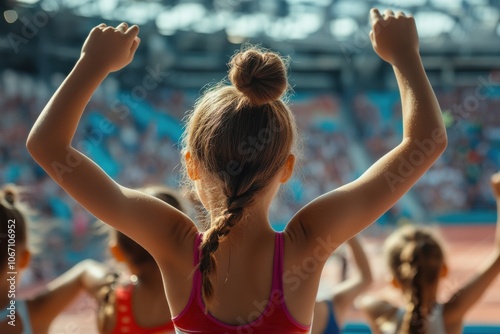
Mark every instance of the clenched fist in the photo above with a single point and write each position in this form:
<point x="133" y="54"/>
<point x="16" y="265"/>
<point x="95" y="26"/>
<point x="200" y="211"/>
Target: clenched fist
<point x="393" y="36"/>
<point x="109" y="48"/>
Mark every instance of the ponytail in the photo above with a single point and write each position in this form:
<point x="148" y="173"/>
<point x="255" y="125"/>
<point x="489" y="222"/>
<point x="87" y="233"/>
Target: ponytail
<point x="106" y="298"/>
<point x="10" y="195"/>
<point x="416" y="259"/>
<point x="410" y="271"/>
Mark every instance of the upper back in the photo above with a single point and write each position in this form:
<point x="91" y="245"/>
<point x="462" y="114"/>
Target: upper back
<point x="435" y="323"/>
<point x="388" y="319"/>
<point x="128" y="317"/>
<point x="248" y="292"/>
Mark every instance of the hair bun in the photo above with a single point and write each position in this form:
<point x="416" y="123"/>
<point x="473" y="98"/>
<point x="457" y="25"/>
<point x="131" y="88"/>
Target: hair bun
<point x="260" y="76"/>
<point x="10" y="195"/>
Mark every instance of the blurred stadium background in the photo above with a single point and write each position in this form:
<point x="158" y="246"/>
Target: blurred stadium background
<point x="344" y="96"/>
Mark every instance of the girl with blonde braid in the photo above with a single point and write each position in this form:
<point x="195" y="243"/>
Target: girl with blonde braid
<point x="417" y="263"/>
<point x="240" y="275"/>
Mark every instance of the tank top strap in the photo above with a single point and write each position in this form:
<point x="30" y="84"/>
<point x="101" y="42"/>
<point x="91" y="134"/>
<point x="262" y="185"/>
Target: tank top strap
<point x="124" y="300"/>
<point x="124" y="313"/>
<point x="277" y="285"/>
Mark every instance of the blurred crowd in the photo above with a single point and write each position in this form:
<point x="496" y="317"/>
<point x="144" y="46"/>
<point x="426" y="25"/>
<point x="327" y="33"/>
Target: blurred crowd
<point x="459" y="181"/>
<point x="135" y="139"/>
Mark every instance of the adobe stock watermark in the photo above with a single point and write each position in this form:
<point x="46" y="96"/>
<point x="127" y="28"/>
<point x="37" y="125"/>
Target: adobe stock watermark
<point x="251" y="147"/>
<point x="471" y="103"/>
<point x="424" y="148"/>
<point x="361" y="39"/>
<point x="453" y="285"/>
<point x="32" y="25"/>
<point x="11" y="279"/>
<point x="96" y="136"/>
<point x="295" y="276"/>
<point x="299" y="273"/>
<point x="263" y="310"/>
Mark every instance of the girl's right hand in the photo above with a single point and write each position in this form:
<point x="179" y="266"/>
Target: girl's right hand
<point x="394" y="36"/>
<point x="110" y="49"/>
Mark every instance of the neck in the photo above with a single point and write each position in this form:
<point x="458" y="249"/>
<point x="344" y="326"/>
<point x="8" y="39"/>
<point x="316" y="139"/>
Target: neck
<point x="255" y="221"/>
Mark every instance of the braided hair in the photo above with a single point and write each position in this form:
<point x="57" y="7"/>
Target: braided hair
<point x="415" y="257"/>
<point x="240" y="135"/>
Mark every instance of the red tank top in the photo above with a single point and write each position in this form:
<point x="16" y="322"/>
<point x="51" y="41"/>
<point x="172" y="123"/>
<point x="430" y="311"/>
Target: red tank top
<point x="125" y="321"/>
<point x="274" y="319"/>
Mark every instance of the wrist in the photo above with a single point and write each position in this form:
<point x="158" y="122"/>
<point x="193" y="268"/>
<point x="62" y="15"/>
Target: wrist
<point x="90" y="67"/>
<point x="407" y="60"/>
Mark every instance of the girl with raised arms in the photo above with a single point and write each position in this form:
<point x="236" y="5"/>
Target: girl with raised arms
<point x="238" y="149"/>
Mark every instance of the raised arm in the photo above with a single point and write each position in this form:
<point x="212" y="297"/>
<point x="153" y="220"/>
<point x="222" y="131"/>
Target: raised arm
<point x="348" y="290"/>
<point x="155" y="225"/>
<point x="86" y="276"/>
<point x="342" y="213"/>
<point x="473" y="290"/>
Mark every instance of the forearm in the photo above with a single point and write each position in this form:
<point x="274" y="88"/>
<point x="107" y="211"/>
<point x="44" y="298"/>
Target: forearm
<point x="422" y="118"/>
<point x="60" y="293"/>
<point x="361" y="261"/>
<point x="93" y="276"/>
<point x="87" y="275"/>
<point x="56" y="125"/>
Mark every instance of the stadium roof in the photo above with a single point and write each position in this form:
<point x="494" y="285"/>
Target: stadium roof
<point x="439" y="21"/>
<point x="199" y="35"/>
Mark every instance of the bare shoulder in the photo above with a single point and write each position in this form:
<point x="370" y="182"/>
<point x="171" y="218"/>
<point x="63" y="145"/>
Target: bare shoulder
<point x="303" y="243"/>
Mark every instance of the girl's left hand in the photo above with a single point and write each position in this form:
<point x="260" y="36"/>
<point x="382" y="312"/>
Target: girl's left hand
<point x="109" y="48"/>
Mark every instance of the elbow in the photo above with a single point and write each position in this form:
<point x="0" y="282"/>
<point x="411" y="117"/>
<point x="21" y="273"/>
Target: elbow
<point x="34" y="143"/>
<point x="435" y="143"/>
<point x="42" y="150"/>
<point x="367" y="281"/>
<point x="441" y="142"/>
<point x="364" y="280"/>
<point x="430" y="146"/>
<point x="36" y="149"/>
<point x="33" y="146"/>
